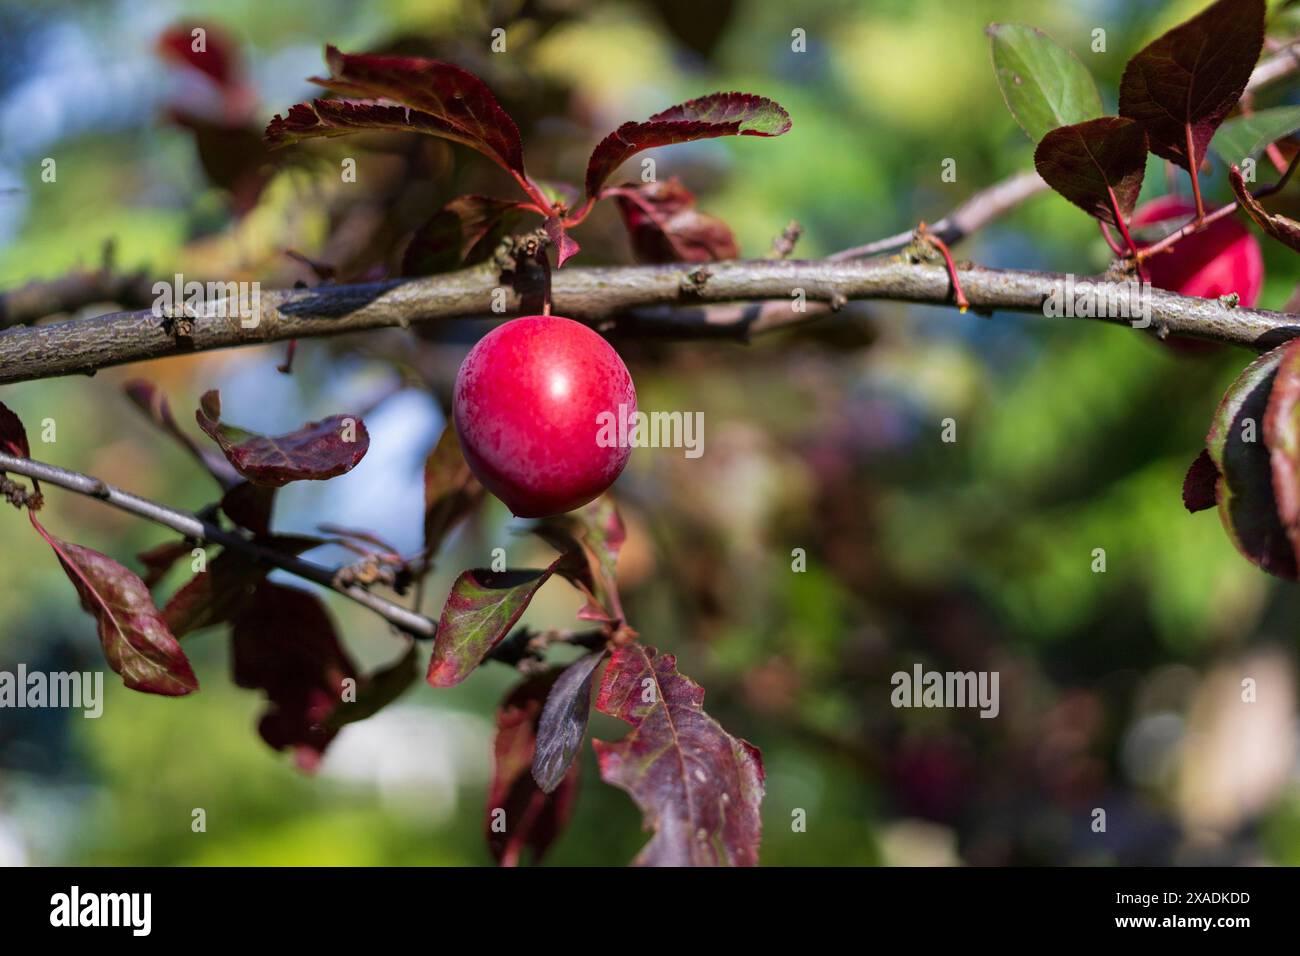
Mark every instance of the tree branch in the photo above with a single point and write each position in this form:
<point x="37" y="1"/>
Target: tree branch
<point x="192" y="526"/>
<point x="1273" y="68"/>
<point x="971" y="216"/>
<point x="68" y="293"/>
<point x="612" y="298"/>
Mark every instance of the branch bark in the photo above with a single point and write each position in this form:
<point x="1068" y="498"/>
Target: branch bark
<point x="618" y="300"/>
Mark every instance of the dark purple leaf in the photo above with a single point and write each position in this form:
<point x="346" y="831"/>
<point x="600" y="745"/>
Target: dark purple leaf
<point x="135" y="638"/>
<point x="234" y="159"/>
<point x="665" y="226"/>
<point x="159" y="560"/>
<point x="480" y="610"/>
<point x="428" y="96"/>
<point x="519" y="815"/>
<point x="13" y="436"/>
<point x="1181" y="86"/>
<point x="284" y="645"/>
<point x="698" y="787"/>
<point x="463" y="232"/>
<point x="1198" y="485"/>
<point x="250" y="506"/>
<point x="719" y="114"/>
<point x="1245" y="488"/>
<point x="1282" y="436"/>
<point x="376" y="691"/>
<point x="222" y="590"/>
<point x="1284" y="230"/>
<point x="316" y="451"/>
<point x="563" y="723"/>
<point x="1097" y="165"/>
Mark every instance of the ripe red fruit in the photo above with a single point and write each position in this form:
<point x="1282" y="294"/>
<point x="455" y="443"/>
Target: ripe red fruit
<point x="530" y="400"/>
<point x="1221" y="259"/>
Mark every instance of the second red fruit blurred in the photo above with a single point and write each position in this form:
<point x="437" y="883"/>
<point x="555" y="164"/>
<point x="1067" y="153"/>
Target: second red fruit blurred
<point x="528" y="405"/>
<point x="1222" y="259"/>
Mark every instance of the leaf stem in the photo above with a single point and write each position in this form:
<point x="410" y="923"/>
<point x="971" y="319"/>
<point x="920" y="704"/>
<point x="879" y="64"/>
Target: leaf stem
<point x="1115" y="247"/>
<point x="544" y="261"/>
<point x="958" y="295"/>
<point x="1194" y="171"/>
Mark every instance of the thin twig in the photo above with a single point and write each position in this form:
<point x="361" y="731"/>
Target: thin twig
<point x="971" y="216"/>
<point x="192" y="526"/>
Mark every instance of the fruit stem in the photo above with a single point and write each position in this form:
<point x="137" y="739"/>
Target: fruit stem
<point x="545" y="262"/>
<point x="1194" y="172"/>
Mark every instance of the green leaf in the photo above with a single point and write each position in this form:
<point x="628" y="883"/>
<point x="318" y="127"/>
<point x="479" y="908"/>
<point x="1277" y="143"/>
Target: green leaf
<point x="1043" y="83"/>
<point x="1247" y="136"/>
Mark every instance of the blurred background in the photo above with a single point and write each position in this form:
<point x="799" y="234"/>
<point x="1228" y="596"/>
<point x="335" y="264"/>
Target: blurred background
<point x="1119" y="690"/>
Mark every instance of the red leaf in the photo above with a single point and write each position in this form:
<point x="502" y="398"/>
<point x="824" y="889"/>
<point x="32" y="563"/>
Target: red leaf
<point x="698" y="787"/>
<point x="316" y="451"/>
<point x="219" y="58"/>
<point x="463" y="232"/>
<point x="1282" y="436"/>
<point x="1097" y="165"/>
<point x="1284" y="230"/>
<point x="1183" y="84"/>
<point x="719" y="114"/>
<point x="431" y="96"/>
<point x="284" y="645"/>
<point x="665" y="226"/>
<point x="1198" y="485"/>
<point x="519" y="815"/>
<point x="563" y="722"/>
<point x="480" y="610"/>
<point x="566" y="247"/>
<point x="136" y="641"/>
